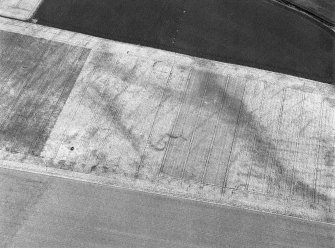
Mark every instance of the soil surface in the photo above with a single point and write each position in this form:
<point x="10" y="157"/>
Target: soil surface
<point x="322" y="8"/>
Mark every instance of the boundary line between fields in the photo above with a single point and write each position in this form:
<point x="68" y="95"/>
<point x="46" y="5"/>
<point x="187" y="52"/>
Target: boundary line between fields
<point x="108" y="182"/>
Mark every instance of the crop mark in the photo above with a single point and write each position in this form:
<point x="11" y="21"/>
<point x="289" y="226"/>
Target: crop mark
<point x="330" y="157"/>
<point x="153" y="123"/>
<point x="297" y="138"/>
<point x="181" y="106"/>
<point x="161" y="144"/>
<point x="261" y="147"/>
<point x="260" y="108"/>
<point x="318" y="154"/>
<point x="200" y="109"/>
<point x="210" y="149"/>
<point x="278" y="131"/>
<point x="114" y="113"/>
<point x="224" y="183"/>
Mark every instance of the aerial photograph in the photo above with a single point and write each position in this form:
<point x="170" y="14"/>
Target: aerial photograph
<point x="167" y="123"/>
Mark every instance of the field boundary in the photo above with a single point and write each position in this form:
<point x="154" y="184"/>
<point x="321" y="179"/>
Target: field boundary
<point x="108" y="182"/>
<point x="18" y="12"/>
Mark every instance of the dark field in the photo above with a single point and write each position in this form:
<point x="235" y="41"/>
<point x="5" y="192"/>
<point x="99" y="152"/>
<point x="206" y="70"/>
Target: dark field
<point x="322" y="8"/>
<point x="33" y="94"/>
<point x="254" y="33"/>
<point x="70" y="213"/>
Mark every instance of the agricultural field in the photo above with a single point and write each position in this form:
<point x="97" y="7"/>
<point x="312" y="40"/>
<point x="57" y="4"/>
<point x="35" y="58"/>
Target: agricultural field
<point x="323" y="8"/>
<point x="19" y="9"/>
<point x="166" y="122"/>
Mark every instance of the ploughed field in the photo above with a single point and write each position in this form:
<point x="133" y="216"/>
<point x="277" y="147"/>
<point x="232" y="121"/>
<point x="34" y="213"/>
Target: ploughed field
<point x="321" y="8"/>
<point x="167" y="122"/>
<point x="257" y="33"/>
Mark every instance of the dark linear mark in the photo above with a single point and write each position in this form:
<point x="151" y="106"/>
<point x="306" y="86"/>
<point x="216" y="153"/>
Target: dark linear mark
<point x="199" y="110"/>
<point x="263" y="143"/>
<point x="161" y="102"/>
<point x="181" y="108"/>
<point x="114" y="111"/>
<point x="260" y="145"/>
<point x="209" y="152"/>
<point x="237" y="127"/>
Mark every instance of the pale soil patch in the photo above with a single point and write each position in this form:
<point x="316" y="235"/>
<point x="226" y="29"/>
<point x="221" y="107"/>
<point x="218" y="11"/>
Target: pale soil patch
<point x="19" y="9"/>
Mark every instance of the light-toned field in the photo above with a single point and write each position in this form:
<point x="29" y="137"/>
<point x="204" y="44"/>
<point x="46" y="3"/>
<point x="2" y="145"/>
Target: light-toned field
<point x="18" y="9"/>
<point x="167" y="122"/>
